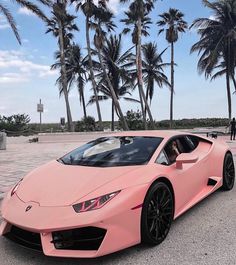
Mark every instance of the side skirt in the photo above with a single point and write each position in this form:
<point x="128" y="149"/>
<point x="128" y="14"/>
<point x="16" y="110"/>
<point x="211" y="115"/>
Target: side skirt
<point x="213" y="184"/>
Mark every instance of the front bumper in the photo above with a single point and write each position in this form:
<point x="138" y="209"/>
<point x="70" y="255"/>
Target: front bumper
<point x="119" y="220"/>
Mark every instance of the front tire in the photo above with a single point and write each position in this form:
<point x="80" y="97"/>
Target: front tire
<point x="157" y="214"/>
<point x="228" y="172"/>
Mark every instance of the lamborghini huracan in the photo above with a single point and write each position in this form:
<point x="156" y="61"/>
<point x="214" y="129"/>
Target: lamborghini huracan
<point x="115" y="192"/>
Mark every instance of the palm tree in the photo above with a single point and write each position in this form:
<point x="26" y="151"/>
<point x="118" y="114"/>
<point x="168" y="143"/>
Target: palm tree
<point x="117" y="64"/>
<point x="221" y="70"/>
<point x="88" y="7"/>
<point x="217" y="42"/>
<point x="32" y="7"/>
<point x="103" y="20"/>
<point x="62" y="26"/>
<point x="123" y="92"/>
<point x="76" y="66"/>
<point x="137" y="15"/>
<point x="153" y="69"/>
<point x="172" y="23"/>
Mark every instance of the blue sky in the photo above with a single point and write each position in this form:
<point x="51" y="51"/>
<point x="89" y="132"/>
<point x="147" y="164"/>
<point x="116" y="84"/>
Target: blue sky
<point x="25" y="74"/>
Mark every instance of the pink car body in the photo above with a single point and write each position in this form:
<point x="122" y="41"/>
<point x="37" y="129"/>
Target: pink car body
<point x="43" y="201"/>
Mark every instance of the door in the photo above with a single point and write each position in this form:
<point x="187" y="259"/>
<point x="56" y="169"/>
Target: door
<point x="189" y="180"/>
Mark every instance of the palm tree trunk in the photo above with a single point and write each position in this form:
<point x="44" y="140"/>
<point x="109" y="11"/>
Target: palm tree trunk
<point x="228" y="95"/>
<point x="147" y="93"/>
<point x="234" y="81"/>
<point x="64" y="77"/>
<point x="228" y="80"/>
<point x="83" y="104"/>
<point x="172" y="85"/>
<point x="140" y="94"/>
<point x="94" y="85"/>
<point x="113" y="94"/>
<point x="140" y="74"/>
<point x="112" y="116"/>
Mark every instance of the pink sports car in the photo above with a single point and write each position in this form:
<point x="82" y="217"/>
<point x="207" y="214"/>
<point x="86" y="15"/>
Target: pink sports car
<point x="115" y="192"/>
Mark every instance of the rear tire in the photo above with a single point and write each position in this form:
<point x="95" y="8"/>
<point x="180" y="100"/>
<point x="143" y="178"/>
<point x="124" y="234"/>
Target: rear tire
<point x="157" y="214"/>
<point x="228" y="172"/>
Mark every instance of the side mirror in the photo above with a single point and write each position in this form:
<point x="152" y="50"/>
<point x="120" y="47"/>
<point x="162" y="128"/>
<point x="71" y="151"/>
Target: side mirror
<point x="185" y="158"/>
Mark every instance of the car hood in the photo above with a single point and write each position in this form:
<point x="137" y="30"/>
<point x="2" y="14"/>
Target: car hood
<point x="55" y="184"/>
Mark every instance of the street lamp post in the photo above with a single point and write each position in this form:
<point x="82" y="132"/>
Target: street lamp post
<point x="40" y="110"/>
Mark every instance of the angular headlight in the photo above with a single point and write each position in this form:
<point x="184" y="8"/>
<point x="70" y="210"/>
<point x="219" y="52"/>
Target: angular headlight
<point x="94" y="204"/>
<point x="15" y="188"/>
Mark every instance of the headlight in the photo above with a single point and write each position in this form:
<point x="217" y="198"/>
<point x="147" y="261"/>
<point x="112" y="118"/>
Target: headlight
<point x="94" y="204"/>
<point x="15" y="188"/>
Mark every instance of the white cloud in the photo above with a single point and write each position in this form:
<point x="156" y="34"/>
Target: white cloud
<point x="3" y="108"/>
<point x="3" y="23"/>
<point x="48" y="73"/>
<point x="7" y="78"/>
<point x="24" y="69"/>
<point x="212" y="17"/>
<point x="25" y="11"/>
<point x="4" y="26"/>
<point x="114" y="5"/>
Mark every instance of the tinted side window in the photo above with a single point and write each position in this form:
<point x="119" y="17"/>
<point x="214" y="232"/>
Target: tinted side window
<point x="173" y="149"/>
<point x="192" y="141"/>
<point x="162" y="159"/>
<point x="178" y="145"/>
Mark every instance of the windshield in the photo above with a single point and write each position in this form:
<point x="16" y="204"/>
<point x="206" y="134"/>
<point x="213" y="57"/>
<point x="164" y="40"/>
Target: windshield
<point x="113" y="151"/>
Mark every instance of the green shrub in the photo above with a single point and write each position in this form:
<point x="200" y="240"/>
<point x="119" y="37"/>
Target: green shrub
<point x="87" y="124"/>
<point x="14" y="123"/>
<point x="134" y="120"/>
<point x="193" y="123"/>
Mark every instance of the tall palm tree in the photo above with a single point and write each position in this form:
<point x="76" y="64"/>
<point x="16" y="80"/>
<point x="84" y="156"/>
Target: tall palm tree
<point x="173" y="23"/>
<point x="27" y="4"/>
<point x="102" y="22"/>
<point x="217" y="42"/>
<point x="76" y="67"/>
<point x="123" y="92"/>
<point x="137" y="15"/>
<point x="62" y="25"/>
<point x="88" y="7"/>
<point x="153" y="69"/>
<point x="221" y="70"/>
<point x="117" y="64"/>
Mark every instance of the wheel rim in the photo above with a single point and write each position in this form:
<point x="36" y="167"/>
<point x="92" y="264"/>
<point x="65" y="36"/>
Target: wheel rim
<point x="229" y="171"/>
<point x="160" y="213"/>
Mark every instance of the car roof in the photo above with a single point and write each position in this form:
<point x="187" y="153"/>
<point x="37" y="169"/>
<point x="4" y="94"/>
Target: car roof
<point x="153" y="133"/>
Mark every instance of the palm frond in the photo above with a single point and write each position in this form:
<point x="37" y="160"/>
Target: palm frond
<point x="11" y="21"/>
<point x="92" y="100"/>
<point x="34" y="8"/>
<point x="131" y="100"/>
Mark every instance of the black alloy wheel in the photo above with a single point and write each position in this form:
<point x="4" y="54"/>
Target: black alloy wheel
<point x="157" y="214"/>
<point x="228" y="172"/>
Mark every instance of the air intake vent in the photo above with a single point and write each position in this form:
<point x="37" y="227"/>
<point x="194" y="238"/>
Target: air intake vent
<point x="25" y="238"/>
<point x="86" y="238"/>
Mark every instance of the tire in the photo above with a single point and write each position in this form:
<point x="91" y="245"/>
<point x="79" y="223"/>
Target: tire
<point x="228" y="172"/>
<point x="157" y="214"/>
